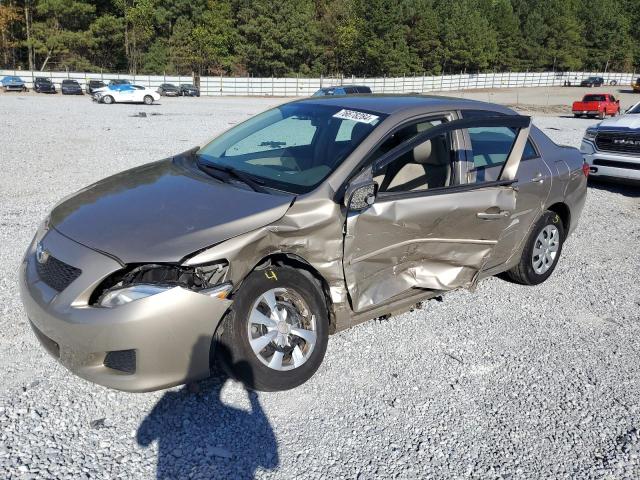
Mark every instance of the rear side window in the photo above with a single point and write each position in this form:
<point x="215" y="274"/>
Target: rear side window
<point x="490" y="145"/>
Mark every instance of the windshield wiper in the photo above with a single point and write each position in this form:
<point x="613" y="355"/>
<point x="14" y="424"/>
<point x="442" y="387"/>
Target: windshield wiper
<point x="245" y="178"/>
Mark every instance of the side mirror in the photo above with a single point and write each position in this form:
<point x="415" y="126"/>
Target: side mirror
<point x="360" y="196"/>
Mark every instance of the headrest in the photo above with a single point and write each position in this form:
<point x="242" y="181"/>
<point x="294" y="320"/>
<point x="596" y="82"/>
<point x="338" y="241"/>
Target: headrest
<point x="431" y="152"/>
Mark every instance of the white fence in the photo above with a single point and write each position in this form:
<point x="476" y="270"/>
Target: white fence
<point x="302" y="87"/>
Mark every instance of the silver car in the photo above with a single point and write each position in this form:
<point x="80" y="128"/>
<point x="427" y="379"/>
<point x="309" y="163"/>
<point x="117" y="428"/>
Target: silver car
<point x="302" y="221"/>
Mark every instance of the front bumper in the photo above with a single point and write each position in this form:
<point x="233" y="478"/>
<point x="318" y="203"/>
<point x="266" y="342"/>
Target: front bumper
<point x="610" y="164"/>
<point x="171" y="333"/>
<point x="14" y="88"/>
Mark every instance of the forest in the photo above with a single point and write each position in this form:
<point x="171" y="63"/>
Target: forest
<point x="319" y="37"/>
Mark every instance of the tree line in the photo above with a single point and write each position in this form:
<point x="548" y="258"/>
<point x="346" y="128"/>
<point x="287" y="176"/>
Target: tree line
<point x="314" y="37"/>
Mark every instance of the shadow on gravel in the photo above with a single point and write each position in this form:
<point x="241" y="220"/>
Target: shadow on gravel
<point x="200" y="436"/>
<point x="627" y="188"/>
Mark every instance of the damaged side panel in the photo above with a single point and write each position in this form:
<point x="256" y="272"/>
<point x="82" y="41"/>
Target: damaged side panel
<point x="310" y="230"/>
<point x="435" y="242"/>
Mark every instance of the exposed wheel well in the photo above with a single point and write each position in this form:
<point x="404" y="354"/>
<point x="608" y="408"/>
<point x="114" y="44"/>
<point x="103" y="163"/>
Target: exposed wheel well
<point x="300" y="263"/>
<point x="564" y="213"/>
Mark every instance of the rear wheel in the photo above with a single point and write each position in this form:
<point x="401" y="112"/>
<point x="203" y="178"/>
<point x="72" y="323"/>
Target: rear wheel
<point x="602" y="115"/>
<point x="577" y="115"/>
<point x="108" y="99"/>
<point x="541" y="253"/>
<point x="148" y="99"/>
<point x="276" y="333"/>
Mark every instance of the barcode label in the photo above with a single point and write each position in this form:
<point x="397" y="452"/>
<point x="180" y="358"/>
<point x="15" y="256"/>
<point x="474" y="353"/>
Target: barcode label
<point x="356" y="116"/>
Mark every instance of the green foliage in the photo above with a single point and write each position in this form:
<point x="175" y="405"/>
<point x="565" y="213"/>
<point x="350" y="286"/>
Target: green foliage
<point x="313" y="37"/>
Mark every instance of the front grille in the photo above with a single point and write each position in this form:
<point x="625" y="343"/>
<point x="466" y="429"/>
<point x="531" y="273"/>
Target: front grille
<point x="49" y="345"/>
<point x="57" y="274"/>
<point x="616" y="164"/>
<point x="121" y="360"/>
<point x="618" y="142"/>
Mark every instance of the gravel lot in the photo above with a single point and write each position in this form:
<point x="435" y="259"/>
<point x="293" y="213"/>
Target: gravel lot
<point x="509" y="381"/>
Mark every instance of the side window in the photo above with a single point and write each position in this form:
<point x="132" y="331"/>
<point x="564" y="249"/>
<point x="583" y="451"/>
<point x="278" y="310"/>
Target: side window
<point x="529" y="151"/>
<point x="426" y="166"/>
<point x="490" y="148"/>
<point x="290" y="132"/>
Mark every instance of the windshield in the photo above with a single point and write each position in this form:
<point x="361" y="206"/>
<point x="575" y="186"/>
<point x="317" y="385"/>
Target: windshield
<point x="293" y="147"/>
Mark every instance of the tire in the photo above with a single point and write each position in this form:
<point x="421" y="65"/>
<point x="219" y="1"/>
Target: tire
<point x="108" y="99"/>
<point x="577" y="115"/>
<point x="525" y="273"/>
<point x="234" y="349"/>
<point x="602" y="115"/>
<point x="148" y="99"/>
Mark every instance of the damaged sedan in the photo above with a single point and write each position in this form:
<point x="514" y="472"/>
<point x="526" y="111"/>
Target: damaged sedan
<point x="302" y="221"/>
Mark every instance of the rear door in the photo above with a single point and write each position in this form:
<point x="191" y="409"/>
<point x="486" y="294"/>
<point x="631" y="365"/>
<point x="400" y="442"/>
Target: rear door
<point x="440" y="231"/>
<point x="486" y="151"/>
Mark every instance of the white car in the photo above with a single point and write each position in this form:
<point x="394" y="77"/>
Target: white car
<point x="612" y="147"/>
<point x="125" y="93"/>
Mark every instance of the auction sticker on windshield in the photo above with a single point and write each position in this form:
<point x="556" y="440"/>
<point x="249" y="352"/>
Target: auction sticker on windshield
<point x="356" y="116"/>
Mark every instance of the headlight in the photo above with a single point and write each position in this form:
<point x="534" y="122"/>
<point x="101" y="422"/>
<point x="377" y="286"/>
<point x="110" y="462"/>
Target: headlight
<point x="590" y="134"/>
<point x="43" y="228"/>
<point x="122" y="296"/>
<point x="115" y="298"/>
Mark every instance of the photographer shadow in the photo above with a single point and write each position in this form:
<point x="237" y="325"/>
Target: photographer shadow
<point x="200" y="436"/>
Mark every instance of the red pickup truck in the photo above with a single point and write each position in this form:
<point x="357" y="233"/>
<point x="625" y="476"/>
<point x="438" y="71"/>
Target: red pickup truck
<point x="596" y="105"/>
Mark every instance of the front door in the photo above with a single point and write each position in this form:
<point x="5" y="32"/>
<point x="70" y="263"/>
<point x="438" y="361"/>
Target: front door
<point x="428" y="228"/>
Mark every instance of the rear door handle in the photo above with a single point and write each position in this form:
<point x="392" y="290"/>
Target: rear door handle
<point x="493" y="216"/>
<point x="538" y="178"/>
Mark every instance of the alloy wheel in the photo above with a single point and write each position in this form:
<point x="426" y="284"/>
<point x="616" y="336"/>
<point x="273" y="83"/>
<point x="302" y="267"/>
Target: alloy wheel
<point x="545" y="249"/>
<point x="281" y="330"/>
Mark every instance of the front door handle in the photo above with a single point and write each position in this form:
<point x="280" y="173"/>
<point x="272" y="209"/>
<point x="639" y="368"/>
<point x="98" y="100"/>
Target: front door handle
<point x="538" y="178"/>
<point x="493" y="216"/>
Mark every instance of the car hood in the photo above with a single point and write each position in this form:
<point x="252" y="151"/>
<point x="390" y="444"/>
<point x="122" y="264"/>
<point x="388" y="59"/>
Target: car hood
<point x="163" y="212"/>
<point x="629" y="121"/>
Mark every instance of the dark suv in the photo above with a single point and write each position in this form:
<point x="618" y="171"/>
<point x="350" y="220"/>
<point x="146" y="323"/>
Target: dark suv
<point x="70" y="87"/>
<point x="44" y="85"/>
<point x="188" y="90"/>
<point x="342" y="90"/>
<point x="592" y="82"/>
<point x="168" y="90"/>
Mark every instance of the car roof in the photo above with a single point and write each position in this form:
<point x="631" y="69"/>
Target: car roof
<point x="390" y="104"/>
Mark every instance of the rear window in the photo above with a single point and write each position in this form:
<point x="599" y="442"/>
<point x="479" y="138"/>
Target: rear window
<point x="594" y="98"/>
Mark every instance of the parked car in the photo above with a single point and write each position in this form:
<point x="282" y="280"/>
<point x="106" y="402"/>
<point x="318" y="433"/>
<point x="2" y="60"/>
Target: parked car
<point x="126" y="93"/>
<point x="342" y="90"/>
<point x="188" y="90"/>
<point x="168" y="90"/>
<point x="592" y="82"/>
<point x="636" y="85"/>
<point x="11" y="83"/>
<point x="44" y="85"/>
<point x="70" y="87"/>
<point x="596" y="105"/>
<point x="93" y="85"/>
<point x="612" y="147"/>
<point x="299" y="222"/>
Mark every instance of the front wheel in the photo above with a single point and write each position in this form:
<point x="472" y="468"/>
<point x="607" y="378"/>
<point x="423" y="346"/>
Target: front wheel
<point x="148" y="100"/>
<point x="108" y="99"/>
<point x="276" y="333"/>
<point x="542" y="251"/>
